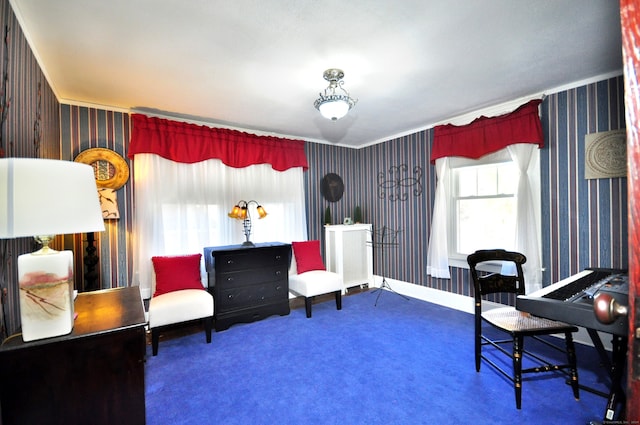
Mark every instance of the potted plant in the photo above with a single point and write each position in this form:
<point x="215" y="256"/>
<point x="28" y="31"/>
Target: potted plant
<point x="327" y="216"/>
<point x="357" y="214"/>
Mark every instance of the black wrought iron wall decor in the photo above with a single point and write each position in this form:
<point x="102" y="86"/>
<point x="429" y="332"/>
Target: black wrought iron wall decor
<point x="396" y="183"/>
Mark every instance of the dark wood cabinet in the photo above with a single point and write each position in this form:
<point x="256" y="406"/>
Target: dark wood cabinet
<point x="248" y="283"/>
<point x="94" y="375"/>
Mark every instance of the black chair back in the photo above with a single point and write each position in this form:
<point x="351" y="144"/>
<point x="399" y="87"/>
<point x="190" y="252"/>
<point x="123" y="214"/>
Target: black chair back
<point x="496" y="282"/>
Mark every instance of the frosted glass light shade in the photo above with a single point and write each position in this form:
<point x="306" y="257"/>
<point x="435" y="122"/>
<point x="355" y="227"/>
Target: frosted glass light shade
<point x="47" y="197"/>
<point x="334" y="110"/>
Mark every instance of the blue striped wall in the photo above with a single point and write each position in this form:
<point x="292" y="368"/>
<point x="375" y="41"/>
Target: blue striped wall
<point x="584" y="221"/>
<point x="362" y="172"/>
<point x="30" y="129"/>
<point x="85" y="128"/>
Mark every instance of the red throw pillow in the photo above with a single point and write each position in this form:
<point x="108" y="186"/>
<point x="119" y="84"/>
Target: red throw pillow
<point x="174" y="273"/>
<point x="308" y="256"/>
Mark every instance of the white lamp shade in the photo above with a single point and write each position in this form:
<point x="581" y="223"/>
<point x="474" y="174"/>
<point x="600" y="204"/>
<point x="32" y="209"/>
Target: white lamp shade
<point x="334" y="110"/>
<point x="47" y="197"/>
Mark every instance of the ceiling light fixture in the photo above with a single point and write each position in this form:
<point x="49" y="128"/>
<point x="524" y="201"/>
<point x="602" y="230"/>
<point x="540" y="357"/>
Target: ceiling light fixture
<point x="334" y="105"/>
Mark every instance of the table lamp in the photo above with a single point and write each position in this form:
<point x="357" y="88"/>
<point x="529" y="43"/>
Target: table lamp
<point x="43" y="198"/>
<point x="241" y="212"/>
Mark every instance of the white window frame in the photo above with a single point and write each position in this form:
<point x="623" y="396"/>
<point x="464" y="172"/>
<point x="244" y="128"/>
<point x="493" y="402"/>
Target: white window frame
<point x="459" y="260"/>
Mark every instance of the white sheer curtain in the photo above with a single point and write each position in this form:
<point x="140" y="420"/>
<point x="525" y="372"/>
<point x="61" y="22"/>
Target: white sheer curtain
<point x="182" y="208"/>
<point x="526" y="221"/>
<point x="438" y="251"/>
<point x="527" y="241"/>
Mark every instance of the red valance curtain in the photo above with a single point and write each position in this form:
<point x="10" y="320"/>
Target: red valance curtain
<point x="190" y="143"/>
<point x="486" y="135"/>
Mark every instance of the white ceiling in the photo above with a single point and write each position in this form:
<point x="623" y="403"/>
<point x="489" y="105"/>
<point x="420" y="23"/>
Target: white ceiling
<point x="258" y="65"/>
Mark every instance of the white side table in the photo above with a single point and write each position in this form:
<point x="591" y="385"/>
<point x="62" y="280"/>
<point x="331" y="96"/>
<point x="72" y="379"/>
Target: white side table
<point x="349" y="253"/>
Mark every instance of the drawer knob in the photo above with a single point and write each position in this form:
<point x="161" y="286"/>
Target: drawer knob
<point x="230" y="296"/>
<point x="278" y="257"/>
<point x="229" y="279"/>
<point x="278" y="273"/>
<point x="229" y="261"/>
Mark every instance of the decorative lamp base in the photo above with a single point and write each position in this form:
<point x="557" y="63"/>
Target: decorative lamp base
<point x="46" y="294"/>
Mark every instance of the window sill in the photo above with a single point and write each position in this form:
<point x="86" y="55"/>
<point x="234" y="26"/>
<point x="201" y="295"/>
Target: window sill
<point x="486" y="267"/>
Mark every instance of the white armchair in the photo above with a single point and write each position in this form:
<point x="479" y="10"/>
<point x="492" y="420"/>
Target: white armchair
<point x="178" y="296"/>
<point x="314" y="279"/>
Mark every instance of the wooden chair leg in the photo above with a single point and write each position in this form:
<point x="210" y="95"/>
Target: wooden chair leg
<point x="571" y="357"/>
<point x="478" y="337"/>
<point x="338" y="300"/>
<point x="307" y="305"/>
<point x="208" y="324"/>
<point x="155" y="339"/>
<point x="518" y="347"/>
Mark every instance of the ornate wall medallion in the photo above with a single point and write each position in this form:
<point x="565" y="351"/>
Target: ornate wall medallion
<point x="605" y="154"/>
<point x="111" y="170"/>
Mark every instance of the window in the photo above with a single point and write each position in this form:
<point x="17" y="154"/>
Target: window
<point x="483" y="204"/>
<point x="182" y="208"/>
<point x="483" y="208"/>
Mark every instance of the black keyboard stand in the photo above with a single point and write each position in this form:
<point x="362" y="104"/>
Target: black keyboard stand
<point x="616" y="397"/>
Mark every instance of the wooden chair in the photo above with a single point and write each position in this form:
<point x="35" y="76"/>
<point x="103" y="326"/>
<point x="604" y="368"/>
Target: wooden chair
<point x="517" y="324"/>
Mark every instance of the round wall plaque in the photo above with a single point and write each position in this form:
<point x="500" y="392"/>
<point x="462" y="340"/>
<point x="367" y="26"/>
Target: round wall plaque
<point x="110" y="169"/>
<point x="332" y="187"/>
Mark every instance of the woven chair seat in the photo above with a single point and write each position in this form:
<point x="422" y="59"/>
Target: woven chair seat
<point x="512" y="320"/>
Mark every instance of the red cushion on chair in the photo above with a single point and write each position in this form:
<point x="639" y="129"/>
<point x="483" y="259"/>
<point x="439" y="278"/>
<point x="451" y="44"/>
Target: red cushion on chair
<point x="308" y="256"/>
<point x="174" y="273"/>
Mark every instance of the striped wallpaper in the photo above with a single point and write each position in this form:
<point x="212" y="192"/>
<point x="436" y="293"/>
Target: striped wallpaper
<point x="30" y="128"/>
<point x="584" y="221"/>
<point x="85" y="128"/>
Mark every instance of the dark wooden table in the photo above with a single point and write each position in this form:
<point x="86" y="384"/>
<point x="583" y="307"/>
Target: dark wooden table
<point x="94" y="375"/>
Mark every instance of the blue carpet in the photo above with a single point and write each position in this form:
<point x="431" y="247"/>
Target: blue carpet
<point x="400" y="362"/>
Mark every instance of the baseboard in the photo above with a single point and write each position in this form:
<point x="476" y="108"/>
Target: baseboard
<point x="443" y="298"/>
<point x="466" y="304"/>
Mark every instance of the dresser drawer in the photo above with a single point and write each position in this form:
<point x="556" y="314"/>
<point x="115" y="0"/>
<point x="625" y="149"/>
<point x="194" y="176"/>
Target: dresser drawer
<point x="232" y="298"/>
<point x="249" y="277"/>
<point x="255" y="258"/>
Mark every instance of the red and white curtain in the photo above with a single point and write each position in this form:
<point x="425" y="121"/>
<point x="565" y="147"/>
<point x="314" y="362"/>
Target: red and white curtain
<point x="188" y="177"/>
<point x="518" y="132"/>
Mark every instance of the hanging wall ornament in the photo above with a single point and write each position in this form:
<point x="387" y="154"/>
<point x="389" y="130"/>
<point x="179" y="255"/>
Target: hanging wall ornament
<point x="332" y="187"/>
<point x="111" y="172"/>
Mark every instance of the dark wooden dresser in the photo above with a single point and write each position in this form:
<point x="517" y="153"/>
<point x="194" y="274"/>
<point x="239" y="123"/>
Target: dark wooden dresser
<point x="94" y="375"/>
<point x="248" y="283"/>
